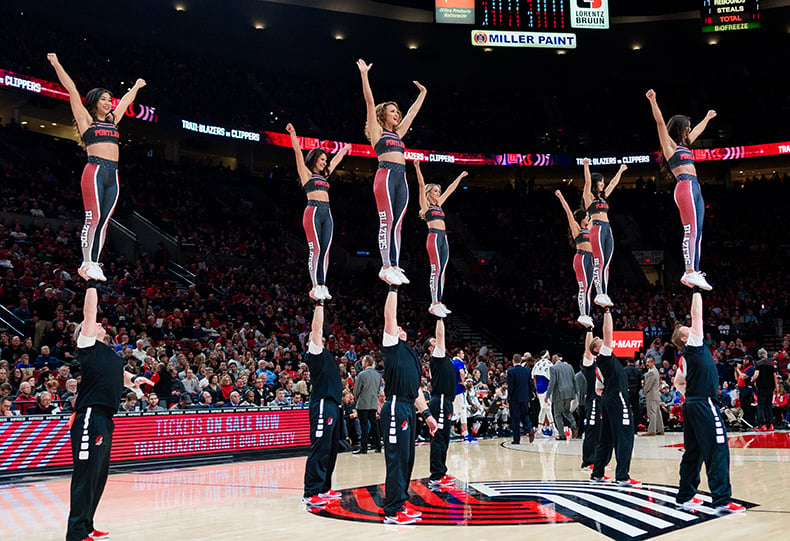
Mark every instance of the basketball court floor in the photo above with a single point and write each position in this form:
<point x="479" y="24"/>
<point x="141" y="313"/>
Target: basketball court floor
<point x="503" y="492"/>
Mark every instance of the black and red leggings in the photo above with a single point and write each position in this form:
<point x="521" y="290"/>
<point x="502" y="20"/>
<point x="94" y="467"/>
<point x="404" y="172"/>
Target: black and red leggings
<point x="583" y="266"/>
<point x="392" y="198"/>
<point x="318" y="226"/>
<point x="438" y="255"/>
<point x="99" y="186"/>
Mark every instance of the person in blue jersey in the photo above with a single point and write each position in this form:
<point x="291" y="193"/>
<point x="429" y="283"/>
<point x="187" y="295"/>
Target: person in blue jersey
<point x="314" y="171"/>
<point x="704" y="435"/>
<point x="431" y="201"/>
<point x="579" y="223"/>
<point x="385" y="126"/>
<point x="97" y="126"/>
<point x="403" y="398"/>
<point x="676" y="137"/>
<point x="595" y="196"/>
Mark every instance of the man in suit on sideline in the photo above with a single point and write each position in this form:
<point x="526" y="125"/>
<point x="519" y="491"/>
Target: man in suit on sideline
<point x="652" y="392"/>
<point x="562" y="391"/>
<point x="519" y="382"/>
<point x="366" y="393"/>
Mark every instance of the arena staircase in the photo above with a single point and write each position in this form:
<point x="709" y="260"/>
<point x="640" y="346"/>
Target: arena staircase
<point x="461" y="330"/>
<point x="10" y="323"/>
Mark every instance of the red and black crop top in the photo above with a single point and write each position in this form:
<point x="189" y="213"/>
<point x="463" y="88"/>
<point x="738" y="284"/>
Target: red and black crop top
<point x="317" y="183"/>
<point x="388" y="142"/>
<point x="101" y="132"/>
<point x="582" y="237"/>
<point x="434" y="212"/>
<point x="599" y="205"/>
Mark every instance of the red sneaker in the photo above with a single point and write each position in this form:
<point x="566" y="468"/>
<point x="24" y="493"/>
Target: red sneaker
<point x="100" y="535"/>
<point x="314" y="501"/>
<point x="762" y="429"/>
<point x="629" y="483"/>
<point x="448" y="478"/>
<point x="88" y="539"/>
<point x="770" y="428"/>
<point x="693" y="503"/>
<point x="410" y="511"/>
<point x="330" y="495"/>
<point x="731" y="507"/>
<point x="400" y="518"/>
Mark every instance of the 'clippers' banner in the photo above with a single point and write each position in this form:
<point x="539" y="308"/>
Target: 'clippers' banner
<point x="36" y="442"/>
<point x="627" y="342"/>
<point x="54" y="90"/>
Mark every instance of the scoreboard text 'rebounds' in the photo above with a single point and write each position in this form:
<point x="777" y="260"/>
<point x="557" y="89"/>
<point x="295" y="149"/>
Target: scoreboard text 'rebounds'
<point x="727" y="15"/>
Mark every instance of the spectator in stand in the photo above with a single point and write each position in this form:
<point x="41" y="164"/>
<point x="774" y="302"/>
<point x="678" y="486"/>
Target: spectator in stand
<point x="129" y="404"/>
<point x="184" y="402"/>
<point x="6" y="407"/>
<point x="44" y="405"/>
<point x="45" y="359"/>
<point x="25" y="400"/>
<point x="234" y="400"/>
<point x="12" y="351"/>
<point x="152" y="403"/>
<point x="280" y="399"/>
<point x="43" y="309"/>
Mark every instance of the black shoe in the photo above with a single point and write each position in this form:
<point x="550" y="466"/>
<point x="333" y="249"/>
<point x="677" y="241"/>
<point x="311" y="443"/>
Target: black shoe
<point x="560" y="438"/>
<point x="515" y="443"/>
<point x="378" y="450"/>
<point x="359" y="452"/>
<point x="531" y="436"/>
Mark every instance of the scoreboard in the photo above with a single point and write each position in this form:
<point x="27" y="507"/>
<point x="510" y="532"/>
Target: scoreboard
<point x="728" y="15"/>
<point x="538" y="15"/>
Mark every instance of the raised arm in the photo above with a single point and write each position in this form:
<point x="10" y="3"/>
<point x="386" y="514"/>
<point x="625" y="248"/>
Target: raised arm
<point x="615" y="181"/>
<point x="301" y="166"/>
<point x="440" y="344"/>
<point x="699" y="128"/>
<point x="696" y="314"/>
<point x="89" y="311"/>
<point x="391" y="314"/>
<point x="607" y="329"/>
<point x="587" y="357"/>
<point x="317" y="328"/>
<point x="338" y="158"/>
<point x="668" y="146"/>
<point x="127" y="100"/>
<point x="81" y="114"/>
<point x="451" y="188"/>
<point x="680" y="377"/>
<point x="374" y="130"/>
<point x="421" y="188"/>
<point x="405" y="124"/>
<point x="587" y="196"/>
<point x="571" y="222"/>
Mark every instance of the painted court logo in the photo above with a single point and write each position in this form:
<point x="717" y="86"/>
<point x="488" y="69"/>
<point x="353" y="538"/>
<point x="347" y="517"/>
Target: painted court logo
<point x="614" y="511"/>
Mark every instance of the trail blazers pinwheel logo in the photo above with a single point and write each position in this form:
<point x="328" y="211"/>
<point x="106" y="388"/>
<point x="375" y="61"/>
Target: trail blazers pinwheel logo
<point x="618" y="512"/>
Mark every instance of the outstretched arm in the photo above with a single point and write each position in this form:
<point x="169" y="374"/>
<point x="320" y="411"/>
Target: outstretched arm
<point x="301" y="166"/>
<point x="615" y="181"/>
<point x="338" y="158"/>
<point x="81" y="114"/>
<point x="699" y="128"/>
<point x="391" y="314"/>
<point x="89" y="311"/>
<point x="421" y="183"/>
<point x="587" y="189"/>
<point x="374" y="130"/>
<point x="587" y="357"/>
<point x="451" y="188"/>
<point x="607" y="329"/>
<point x="127" y="100"/>
<point x="696" y="314"/>
<point x="571" y="222"/>
<point x="440" y="336"/>
<point x="405" y="124"/>
<point x="668" y="146"/>
<point x="317" y="328"/>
